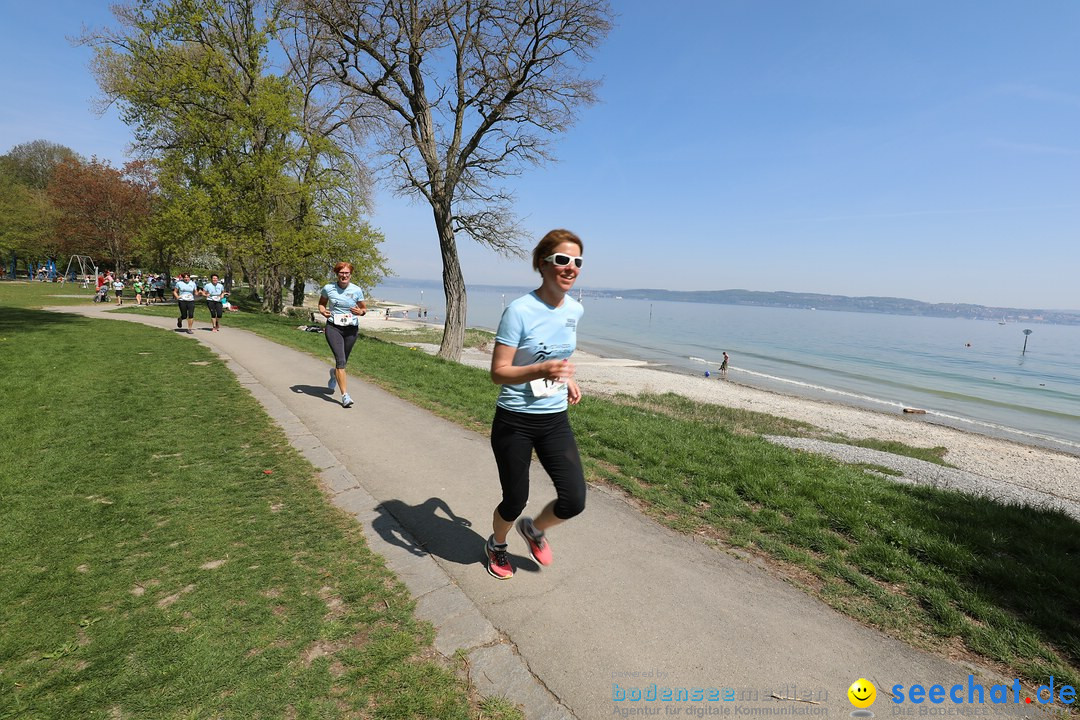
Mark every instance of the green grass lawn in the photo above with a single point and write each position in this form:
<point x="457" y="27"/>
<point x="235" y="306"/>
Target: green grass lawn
<point x="937" y="569"/>
<point x="19" y="293"/>
<point x="167" y="554"/>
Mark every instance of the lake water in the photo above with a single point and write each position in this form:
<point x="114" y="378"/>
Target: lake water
<point x="965" y="373"/>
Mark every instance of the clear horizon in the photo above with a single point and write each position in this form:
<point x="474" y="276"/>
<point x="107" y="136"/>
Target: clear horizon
<point x="595" y="288"/>
<point x="904" y="149"/>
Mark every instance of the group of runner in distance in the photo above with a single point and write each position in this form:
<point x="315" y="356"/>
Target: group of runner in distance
<point x="536" y="337"/>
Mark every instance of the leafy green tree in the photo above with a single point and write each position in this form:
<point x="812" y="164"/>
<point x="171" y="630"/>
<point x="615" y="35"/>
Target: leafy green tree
<point x="194" y="79"/>
<point x="27" y="217"/>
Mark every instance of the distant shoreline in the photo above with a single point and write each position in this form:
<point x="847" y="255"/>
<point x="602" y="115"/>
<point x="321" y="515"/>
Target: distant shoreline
<point x="807" y="301"/>
<point x="1007" y="460"/>
<point x="777" y="382"/>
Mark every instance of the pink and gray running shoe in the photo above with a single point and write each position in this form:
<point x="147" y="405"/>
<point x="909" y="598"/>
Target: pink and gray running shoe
<point x="539" y="548"/>
<point x="498" y="565"/>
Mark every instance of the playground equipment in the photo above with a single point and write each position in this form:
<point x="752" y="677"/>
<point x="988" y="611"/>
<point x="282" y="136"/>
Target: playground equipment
<point x="86" y="269"/>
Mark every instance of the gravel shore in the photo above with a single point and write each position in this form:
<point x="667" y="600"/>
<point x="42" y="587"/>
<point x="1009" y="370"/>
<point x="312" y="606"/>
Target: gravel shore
<point x="992" y="467"/>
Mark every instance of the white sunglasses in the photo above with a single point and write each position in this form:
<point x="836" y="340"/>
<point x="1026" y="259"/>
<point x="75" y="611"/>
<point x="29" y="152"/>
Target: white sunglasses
<point x="562" y="260"/>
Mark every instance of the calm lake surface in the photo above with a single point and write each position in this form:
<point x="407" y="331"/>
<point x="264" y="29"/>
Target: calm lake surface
<point x="965" y="373"/>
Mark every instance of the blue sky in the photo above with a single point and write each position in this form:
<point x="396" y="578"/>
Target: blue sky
<point x="889" y="147"/>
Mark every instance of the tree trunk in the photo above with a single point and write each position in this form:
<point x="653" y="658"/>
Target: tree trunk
<point x="164" y="265"/>
<point x="298" y="291"/>
<point x="272" y="300"/>
<point x="453" y="286"/>
<point x="252" y="272"/>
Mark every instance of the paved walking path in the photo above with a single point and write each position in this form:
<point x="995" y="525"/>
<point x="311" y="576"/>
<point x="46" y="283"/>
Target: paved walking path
<point x="626" y="603"/>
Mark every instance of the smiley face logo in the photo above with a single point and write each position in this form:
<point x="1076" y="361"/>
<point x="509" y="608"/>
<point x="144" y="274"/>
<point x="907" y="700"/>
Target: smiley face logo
<point x="862" y="693"/>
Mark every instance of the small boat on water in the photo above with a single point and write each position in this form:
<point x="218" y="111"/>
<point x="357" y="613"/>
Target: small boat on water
<point x="1002" y="321"/>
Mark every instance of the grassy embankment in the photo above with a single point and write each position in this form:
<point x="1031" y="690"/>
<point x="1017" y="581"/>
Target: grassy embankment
<point x="934" y="568"/>
<point x="167" y="554"/>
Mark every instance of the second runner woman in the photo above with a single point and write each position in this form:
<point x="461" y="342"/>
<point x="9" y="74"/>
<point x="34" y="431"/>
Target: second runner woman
<point x="341" y="303"/>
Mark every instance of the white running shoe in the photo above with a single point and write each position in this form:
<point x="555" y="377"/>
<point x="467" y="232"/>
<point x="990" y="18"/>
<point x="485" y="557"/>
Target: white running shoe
<point x="333" y="380"/>
<point x="346" y="401"/>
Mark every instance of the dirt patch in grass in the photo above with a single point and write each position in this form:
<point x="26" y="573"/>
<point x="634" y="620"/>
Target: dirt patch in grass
<point x="171" y="599"/>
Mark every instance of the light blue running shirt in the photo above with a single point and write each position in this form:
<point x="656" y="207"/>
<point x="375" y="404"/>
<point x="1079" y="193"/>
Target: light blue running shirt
<point x="186" y="290"/>
<point x="341" y="302"/>
<point x="539" y="332"/>
<point x="214" y="291"/>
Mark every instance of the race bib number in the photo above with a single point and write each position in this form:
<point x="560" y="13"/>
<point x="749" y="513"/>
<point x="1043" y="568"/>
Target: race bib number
<point x="545" y="388"/>
<point x="216" y="298"/>
<point x="186" y="296"/>
<point x="344" y="320"/>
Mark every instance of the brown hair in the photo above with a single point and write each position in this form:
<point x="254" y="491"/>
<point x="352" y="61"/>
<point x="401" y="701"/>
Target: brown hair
<point x="549" y="242"/>
<point x="341" y="266"/>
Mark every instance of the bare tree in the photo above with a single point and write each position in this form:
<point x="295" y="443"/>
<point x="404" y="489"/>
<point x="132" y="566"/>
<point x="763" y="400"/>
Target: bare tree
<point x="466" y="92"/>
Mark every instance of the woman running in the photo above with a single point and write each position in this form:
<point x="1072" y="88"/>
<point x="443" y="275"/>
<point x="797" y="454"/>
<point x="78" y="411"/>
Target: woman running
<point x="341" y="303"/>
<point x="214" y="292"/>
<point x="118" y="289"/>
<point x="536" y="337"/>
<point x="184" y="292"/>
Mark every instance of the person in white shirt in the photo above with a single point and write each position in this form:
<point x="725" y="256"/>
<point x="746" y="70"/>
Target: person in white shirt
<point x="118" y="290"/>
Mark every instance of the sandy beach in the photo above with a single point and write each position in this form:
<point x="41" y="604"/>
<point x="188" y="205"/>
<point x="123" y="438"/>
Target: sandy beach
<point x="1000" y="460"/>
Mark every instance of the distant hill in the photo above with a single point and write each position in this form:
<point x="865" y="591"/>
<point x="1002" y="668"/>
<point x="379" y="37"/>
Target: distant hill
<point x="807" y="301"/>
<point x="886" y="305"/>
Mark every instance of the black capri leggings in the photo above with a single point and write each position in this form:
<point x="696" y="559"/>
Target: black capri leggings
<point x="214" y="306"/>
<point x="341" y="341"/>
<point x="187" y="308"/>
<point x="514" y="435"/>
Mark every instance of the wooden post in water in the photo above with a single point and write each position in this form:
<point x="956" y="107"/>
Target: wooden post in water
<point x="1026" y="333"/>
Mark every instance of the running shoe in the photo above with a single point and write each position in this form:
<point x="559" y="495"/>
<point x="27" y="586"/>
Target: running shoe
<point x="179" y="323"/>
<point x="332" y="384"/>
<point x="538" y="545"/>
<point x="346" y="401"/>
<point x="498" y="565"/>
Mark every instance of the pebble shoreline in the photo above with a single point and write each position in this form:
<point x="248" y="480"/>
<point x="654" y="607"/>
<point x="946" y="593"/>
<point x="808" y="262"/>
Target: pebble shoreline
<point x="988" y="466"/>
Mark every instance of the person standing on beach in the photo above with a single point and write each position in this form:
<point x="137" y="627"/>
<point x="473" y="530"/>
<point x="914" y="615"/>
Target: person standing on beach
<point x="184" y="291"/>
<point x="723" y="367"/>
<point x="342" y="304"/>
<point x="536" y="337"/>
<point x="214" y="291"/>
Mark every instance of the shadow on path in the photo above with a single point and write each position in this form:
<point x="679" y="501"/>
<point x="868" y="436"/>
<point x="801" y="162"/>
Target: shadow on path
<point x="319" y="391"/>
<point x="447" y="536"/>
